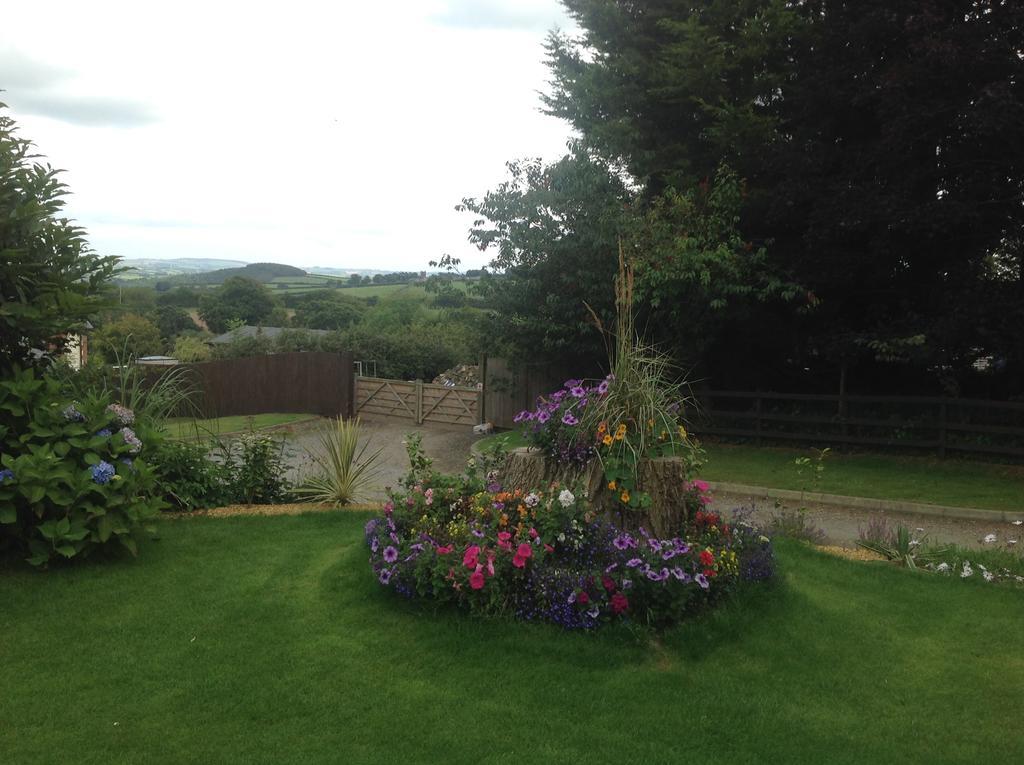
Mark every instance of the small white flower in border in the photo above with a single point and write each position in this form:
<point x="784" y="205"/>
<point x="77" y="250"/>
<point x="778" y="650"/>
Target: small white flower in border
<point x="942" y="568"/>
<point x="919" y="529"/>
<point x="988" y="576"/>
<point x="967" y="570"/>
<point x="566" y="498"/>
<point x="1017" y="523"/>
<point x="989" y="539"/>
<point x="1011" y="541"/>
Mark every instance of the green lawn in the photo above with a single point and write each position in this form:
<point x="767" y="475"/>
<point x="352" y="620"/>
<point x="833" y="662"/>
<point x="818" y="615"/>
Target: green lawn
<point x="183" y="427"/>
<point x="912" y="479"/>
<point x="267" y="640"/>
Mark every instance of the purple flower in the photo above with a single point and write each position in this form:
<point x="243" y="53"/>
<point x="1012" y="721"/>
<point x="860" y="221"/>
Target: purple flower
<point x="682" y="548"/>
<point x="103" y="472"/>
<point x="522" y="416"/>
<point x="578" y="391"/>
<point x="477" y="533"/>
<point x="654" y="576"/>
<point x="623" y="541"/>
<point x="611" y="568"/>
<point x="390" y="554"/>
<point x="569" y="419"/>
<point x="374" y="545"/>
<point x="681" y="575"/>
<point x="385" y="575"/>
<point x="571" y="598"/>
<point x="627" y="583"/>
<point x="668" y="554"/>
<point x="602" y="388"/>
<point x="633" y="562"/>
<point x="570" y="384"/>
<point x="105" y="433"/>
<point x="543" y="417"/>
<point x="702" y="581"/>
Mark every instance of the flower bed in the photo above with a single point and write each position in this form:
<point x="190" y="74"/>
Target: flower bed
<point x="545" y="555"/>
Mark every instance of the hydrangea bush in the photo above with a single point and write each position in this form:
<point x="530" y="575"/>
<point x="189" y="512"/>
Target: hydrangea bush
<point x="546" y="555"/>
<point x="73" y="478"/>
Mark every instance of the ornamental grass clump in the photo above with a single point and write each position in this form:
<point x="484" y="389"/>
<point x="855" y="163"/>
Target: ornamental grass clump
<point x="346" y="470"/>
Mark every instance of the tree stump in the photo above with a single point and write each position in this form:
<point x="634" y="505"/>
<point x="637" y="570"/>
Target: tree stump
<point x="663" y="478"/>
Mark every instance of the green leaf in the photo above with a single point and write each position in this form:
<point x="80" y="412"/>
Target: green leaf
<point x="129" y="543"/>
<point x="68" y="551"/>
<point x="92" y="458"/>
<point x="8" y="515"/>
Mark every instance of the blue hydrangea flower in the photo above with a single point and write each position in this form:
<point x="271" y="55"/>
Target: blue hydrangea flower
<point x="103" y="472"/>
<point x="71" y="414"/>
<point x="6" y="475"/>
<point x="134" y="444"/>
<point x="106" y="433"/>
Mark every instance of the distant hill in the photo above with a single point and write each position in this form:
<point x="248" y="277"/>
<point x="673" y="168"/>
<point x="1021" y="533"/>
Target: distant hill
<point x="260" y="272"/>
<point x="155" y="268"/>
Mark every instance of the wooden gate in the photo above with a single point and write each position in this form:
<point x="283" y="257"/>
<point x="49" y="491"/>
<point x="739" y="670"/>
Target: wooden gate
<point x="417" y="401"/>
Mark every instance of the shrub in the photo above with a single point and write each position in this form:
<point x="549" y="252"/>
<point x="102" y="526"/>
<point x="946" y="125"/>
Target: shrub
<point x="256" y="472"/>
<point x="73" y="478"/>
<point x="545" y="555"/>
<point x="345" y="469"/>
<point x="188" y="478"/>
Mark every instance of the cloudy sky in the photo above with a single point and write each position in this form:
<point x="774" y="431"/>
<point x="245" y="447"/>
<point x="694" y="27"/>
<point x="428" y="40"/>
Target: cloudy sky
<point x="311" y="133"/>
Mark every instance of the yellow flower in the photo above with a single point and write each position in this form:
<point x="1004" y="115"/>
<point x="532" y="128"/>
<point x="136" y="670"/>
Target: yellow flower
<point x="624" y="497"/>
<point x="682" y="432"/>
<point x="503" y="521"/>
<point x="601" y="428"/>
<point x="611" y="485"/>
<point x="650" y="422"/>
<point x="619" y="436"/>
<point x="607" y="440"/>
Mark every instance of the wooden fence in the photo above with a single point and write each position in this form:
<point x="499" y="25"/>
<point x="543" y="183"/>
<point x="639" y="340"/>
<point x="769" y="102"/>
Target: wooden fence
<point x="314" y="382"/>
<point x="933" y="424"/>
<point x="418" y="401"/>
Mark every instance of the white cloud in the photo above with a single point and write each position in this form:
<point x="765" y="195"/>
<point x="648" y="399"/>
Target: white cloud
<point x="307" y="133"/>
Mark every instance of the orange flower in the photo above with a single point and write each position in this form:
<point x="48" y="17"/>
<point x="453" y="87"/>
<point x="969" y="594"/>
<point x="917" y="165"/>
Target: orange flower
<point x="607" y="440"/>
<point x="503" y="521"/>
<point x="611" y="485"/>
<point x="601" y="428"/>
<point x="624" y="497"/>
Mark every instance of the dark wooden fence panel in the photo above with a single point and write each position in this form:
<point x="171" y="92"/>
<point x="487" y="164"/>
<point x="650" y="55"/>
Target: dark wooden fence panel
<point x="314" y="382"/>
<point x="933" y="424"/>
<point x="508" y="390"/>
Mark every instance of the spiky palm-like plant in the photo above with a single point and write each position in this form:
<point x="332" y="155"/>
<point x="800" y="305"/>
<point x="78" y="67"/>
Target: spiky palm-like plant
<point x="345" y="468"/>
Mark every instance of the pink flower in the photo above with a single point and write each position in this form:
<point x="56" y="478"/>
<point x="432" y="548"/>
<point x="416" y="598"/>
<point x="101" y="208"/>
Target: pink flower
<point x="476" y="580"/>
<point x="701" y="486"/>
<point x="548" y="548"/>
<point x="470" y="558"/>
<point x="524" y="551"/>
<point x="518" y="562"/>
<point x="444" y="550"/>
<point x="503" y="540"/>
<point x="533" y="534"/>
<point x="389" y="507"/>
<point x="583" y="598"/>
<point x="429" y="494"/>
<point x="619" y="603"/>
<point x="490" y="563"/>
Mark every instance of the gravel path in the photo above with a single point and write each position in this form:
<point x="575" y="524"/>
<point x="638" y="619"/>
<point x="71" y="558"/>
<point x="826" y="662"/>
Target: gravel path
<point x="842" y="524"/>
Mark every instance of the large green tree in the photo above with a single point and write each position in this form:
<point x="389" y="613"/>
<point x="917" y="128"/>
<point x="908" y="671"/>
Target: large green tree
<point x="51" y="283"/>
<point x="237" y="300"/>
<point x="881" y="144"/>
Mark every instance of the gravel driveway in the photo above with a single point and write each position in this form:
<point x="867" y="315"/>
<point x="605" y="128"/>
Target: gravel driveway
<point x="447" y="445"/>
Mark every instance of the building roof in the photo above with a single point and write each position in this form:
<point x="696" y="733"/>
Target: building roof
<point x="268" y="332"/>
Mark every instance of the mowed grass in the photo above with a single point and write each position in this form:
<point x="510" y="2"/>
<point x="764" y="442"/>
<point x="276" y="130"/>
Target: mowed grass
<point x="267" y="640"/>
<point x="951" y="482"/>
<point x="184" y="427"/>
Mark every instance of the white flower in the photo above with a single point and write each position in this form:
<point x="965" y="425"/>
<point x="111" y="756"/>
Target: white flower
<point x="531" y="500"/>
<point x="561" y="537"/>
<point x="942" y="568"/>
<point x="914" y="543"/>
<point x="989" y="539"/>
<point x="918" y="529"/>
<point x="988" y="576"/>
<point x="967" y="570"/>
<point x="566" y="498"/>
<point x="1011" y="541"/>
<point x="1017" y="523"/>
